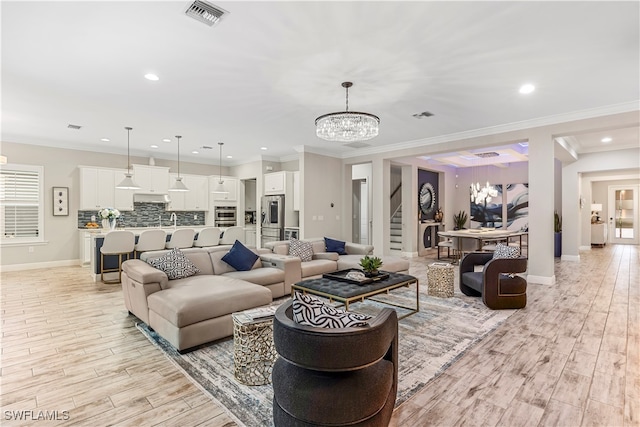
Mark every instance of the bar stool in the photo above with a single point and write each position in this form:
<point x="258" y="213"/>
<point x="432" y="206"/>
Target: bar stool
<point x="232" y="234"/>
<point x="150" y="240"/>
<point x="209" y="236"/>
<point x="182" y="238"/>
<point x="116" y="243"/>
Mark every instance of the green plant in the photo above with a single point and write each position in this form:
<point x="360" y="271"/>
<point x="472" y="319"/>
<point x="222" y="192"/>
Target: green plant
<point x="557" y="222"/>
<point x="460" y="220"/>
<point x="370" y="264"/>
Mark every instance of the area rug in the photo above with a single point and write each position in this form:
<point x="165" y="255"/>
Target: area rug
<point x="429" y="341"/>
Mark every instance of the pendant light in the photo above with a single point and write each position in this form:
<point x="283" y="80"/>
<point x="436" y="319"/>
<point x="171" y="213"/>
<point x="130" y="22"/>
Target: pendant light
<point x="219" y="189"/>
<point x="178" y="185"/>
<point x="128" y="183"/>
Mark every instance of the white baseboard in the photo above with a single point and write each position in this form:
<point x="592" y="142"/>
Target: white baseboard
<point x="39" y="265"/>
<point x="584" y="248"/>
<point x="570" y="258"/>
<point x="541" y="280"/>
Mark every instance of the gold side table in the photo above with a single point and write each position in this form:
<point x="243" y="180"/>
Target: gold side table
<point x="253" y="351"/>
<point x="440" y="279"/>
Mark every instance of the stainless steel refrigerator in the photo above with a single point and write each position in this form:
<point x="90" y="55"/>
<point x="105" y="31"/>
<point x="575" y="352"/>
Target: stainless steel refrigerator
<point x="272" y="224"/>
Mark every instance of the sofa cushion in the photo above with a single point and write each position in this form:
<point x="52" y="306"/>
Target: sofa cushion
<point x="317" y="267"/>
<point x="221" y="267"/>
<point x="206" y="298"/>
<point x="303" y="250"/>
<point x="264" y="276"/>
<point x="333" y="245"/>
<point x="310" y="311"/>
<point x="240" y="257"/>
<point x="175" y="264"/>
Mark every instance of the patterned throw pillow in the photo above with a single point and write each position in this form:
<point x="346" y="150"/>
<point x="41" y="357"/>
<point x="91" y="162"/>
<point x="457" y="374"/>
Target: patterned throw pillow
<point x="175" y="264"/>
<point x="310" y="311"/>
<point x="505" y="251"/>
<point x="301" y="249"/>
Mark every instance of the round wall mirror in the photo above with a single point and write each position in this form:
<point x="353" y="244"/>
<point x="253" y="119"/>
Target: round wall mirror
<point x="427" y="198"/>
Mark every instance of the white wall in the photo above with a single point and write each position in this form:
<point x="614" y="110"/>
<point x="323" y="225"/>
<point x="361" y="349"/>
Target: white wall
<point x="60" y="170"/>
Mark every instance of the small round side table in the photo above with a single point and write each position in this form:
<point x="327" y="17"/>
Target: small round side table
<point x="253" y="351"/>
<point x="440" y="280"/>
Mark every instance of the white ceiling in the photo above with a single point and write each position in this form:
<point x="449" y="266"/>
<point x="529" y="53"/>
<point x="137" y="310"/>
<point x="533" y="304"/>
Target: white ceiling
<point x="262" y="76"/>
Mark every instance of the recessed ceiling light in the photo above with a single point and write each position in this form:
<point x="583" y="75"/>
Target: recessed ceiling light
<point x="606" y="139"/>
<point x="263" y="148"/>
<point x="527" y="88"/>
<point x="151" y="77"/>
<point x="195" y="152"/>
<point x="154" y="146"/>
<point x="105" y="139"/>
<point x="166" y="140"/>
<point x="229" y="157"/>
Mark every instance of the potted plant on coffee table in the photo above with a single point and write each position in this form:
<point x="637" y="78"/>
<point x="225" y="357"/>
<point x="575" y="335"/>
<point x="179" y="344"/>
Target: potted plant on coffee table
<point x="370" y="265"/>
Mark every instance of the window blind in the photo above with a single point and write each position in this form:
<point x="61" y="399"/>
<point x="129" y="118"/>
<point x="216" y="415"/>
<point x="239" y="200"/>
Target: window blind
<point x="20" y="209"/>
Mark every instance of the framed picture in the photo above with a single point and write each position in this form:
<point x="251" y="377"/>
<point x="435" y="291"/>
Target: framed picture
<point x="60" y="201"/>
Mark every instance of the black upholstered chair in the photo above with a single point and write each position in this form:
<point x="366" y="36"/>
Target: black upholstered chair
<point x="498" y="290"/>
<point x="336" y="377"/>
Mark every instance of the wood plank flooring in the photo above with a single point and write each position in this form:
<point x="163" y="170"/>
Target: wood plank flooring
<point x="570" y="358"/>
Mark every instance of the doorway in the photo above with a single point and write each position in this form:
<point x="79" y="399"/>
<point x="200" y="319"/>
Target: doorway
<point x="622" y="212"/>
<point x="360" y="209"/>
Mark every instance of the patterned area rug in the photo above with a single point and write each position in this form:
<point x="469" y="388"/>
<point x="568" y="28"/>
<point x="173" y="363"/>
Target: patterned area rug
<point x="429" y="341"/>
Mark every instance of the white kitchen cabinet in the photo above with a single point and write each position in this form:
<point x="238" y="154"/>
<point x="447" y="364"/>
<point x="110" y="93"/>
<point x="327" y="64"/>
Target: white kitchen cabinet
<point x="97" y="188"/>
<point x="296" y="191"/>
<point x="250" y="236"/>
<point x="196" y="199"/>
<point x="85" y="247"/>
<point x="275" y="183"/>
<point x="151" y="179"/>
<point x="230" y="185"/>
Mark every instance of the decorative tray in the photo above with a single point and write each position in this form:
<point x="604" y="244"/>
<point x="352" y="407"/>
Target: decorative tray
<point x="344" y="276"/>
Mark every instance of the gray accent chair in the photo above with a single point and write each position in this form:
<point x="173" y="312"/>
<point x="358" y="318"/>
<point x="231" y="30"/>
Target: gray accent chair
<point x="334" y="377"/>
<point x="498" y="290"/>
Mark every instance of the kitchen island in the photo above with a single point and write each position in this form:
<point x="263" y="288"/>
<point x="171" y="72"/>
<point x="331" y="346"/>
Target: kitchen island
<point x="91" y="241"/>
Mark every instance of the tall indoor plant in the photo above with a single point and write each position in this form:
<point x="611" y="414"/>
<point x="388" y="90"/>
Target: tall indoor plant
<point x="557" y="237"/>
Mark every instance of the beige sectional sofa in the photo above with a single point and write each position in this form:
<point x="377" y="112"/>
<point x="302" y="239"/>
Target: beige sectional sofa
<point x="197" y="309"/>
<point x="327" y="262"/>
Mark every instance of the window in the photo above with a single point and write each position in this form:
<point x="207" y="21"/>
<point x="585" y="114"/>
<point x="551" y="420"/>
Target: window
<point x="21" y="197"/>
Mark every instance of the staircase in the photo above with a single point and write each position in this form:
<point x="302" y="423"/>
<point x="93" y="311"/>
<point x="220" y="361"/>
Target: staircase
<point x="396" y="230"/>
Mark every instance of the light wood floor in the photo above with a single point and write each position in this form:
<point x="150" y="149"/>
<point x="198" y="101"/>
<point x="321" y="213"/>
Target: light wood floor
<point x="570" y="358"/>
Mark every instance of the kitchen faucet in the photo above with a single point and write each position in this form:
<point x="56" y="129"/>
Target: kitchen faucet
<point x="174" y="218"/>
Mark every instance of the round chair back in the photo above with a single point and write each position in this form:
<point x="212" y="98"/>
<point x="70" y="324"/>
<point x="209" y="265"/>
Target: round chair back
<point x="182" y="238"/>
<point x="209" y="236"/>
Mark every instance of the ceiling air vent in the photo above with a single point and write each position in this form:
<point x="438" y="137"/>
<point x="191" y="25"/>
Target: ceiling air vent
<point x="487" y="154"/>
<point x="423" y="115"/>
<point x="75" y="127"/>
<point x="205" y="12"/>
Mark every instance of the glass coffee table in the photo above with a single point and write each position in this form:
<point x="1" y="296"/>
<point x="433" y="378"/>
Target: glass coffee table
<point x="348" y="292"/>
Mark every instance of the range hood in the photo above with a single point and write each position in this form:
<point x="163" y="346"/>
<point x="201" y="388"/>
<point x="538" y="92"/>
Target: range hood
<point x="151" y="198"/>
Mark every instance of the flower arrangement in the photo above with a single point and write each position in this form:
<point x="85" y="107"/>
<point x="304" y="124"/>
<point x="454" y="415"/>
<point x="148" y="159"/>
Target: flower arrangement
<point x="109" y="213"/>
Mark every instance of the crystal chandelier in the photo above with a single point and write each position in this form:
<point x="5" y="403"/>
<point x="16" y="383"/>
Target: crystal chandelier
<point x="482" y="195"/>
<point x="347" y="126"/>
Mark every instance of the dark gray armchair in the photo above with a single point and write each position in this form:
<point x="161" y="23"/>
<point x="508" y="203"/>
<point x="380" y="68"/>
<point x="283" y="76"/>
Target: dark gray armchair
<point x="336" y="377"/>
<point x="498" y="290"/>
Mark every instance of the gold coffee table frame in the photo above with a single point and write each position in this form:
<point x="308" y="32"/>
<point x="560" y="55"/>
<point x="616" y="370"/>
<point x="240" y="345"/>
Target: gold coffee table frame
<point x="300" y="286"/>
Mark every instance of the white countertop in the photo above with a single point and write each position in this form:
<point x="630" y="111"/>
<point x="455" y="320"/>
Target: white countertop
<point x="99" y="232"/>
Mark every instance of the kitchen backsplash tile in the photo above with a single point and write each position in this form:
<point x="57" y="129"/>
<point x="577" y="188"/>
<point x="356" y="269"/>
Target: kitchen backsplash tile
<point x="147" y="215"/>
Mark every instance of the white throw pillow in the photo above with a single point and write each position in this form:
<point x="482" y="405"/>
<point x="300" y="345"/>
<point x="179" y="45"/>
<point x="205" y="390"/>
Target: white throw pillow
<point x="303" y="250"/>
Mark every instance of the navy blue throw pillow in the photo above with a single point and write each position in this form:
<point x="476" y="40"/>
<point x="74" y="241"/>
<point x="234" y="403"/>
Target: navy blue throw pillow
<point x="240" y="257"/>
<point x="335" y="246"/>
